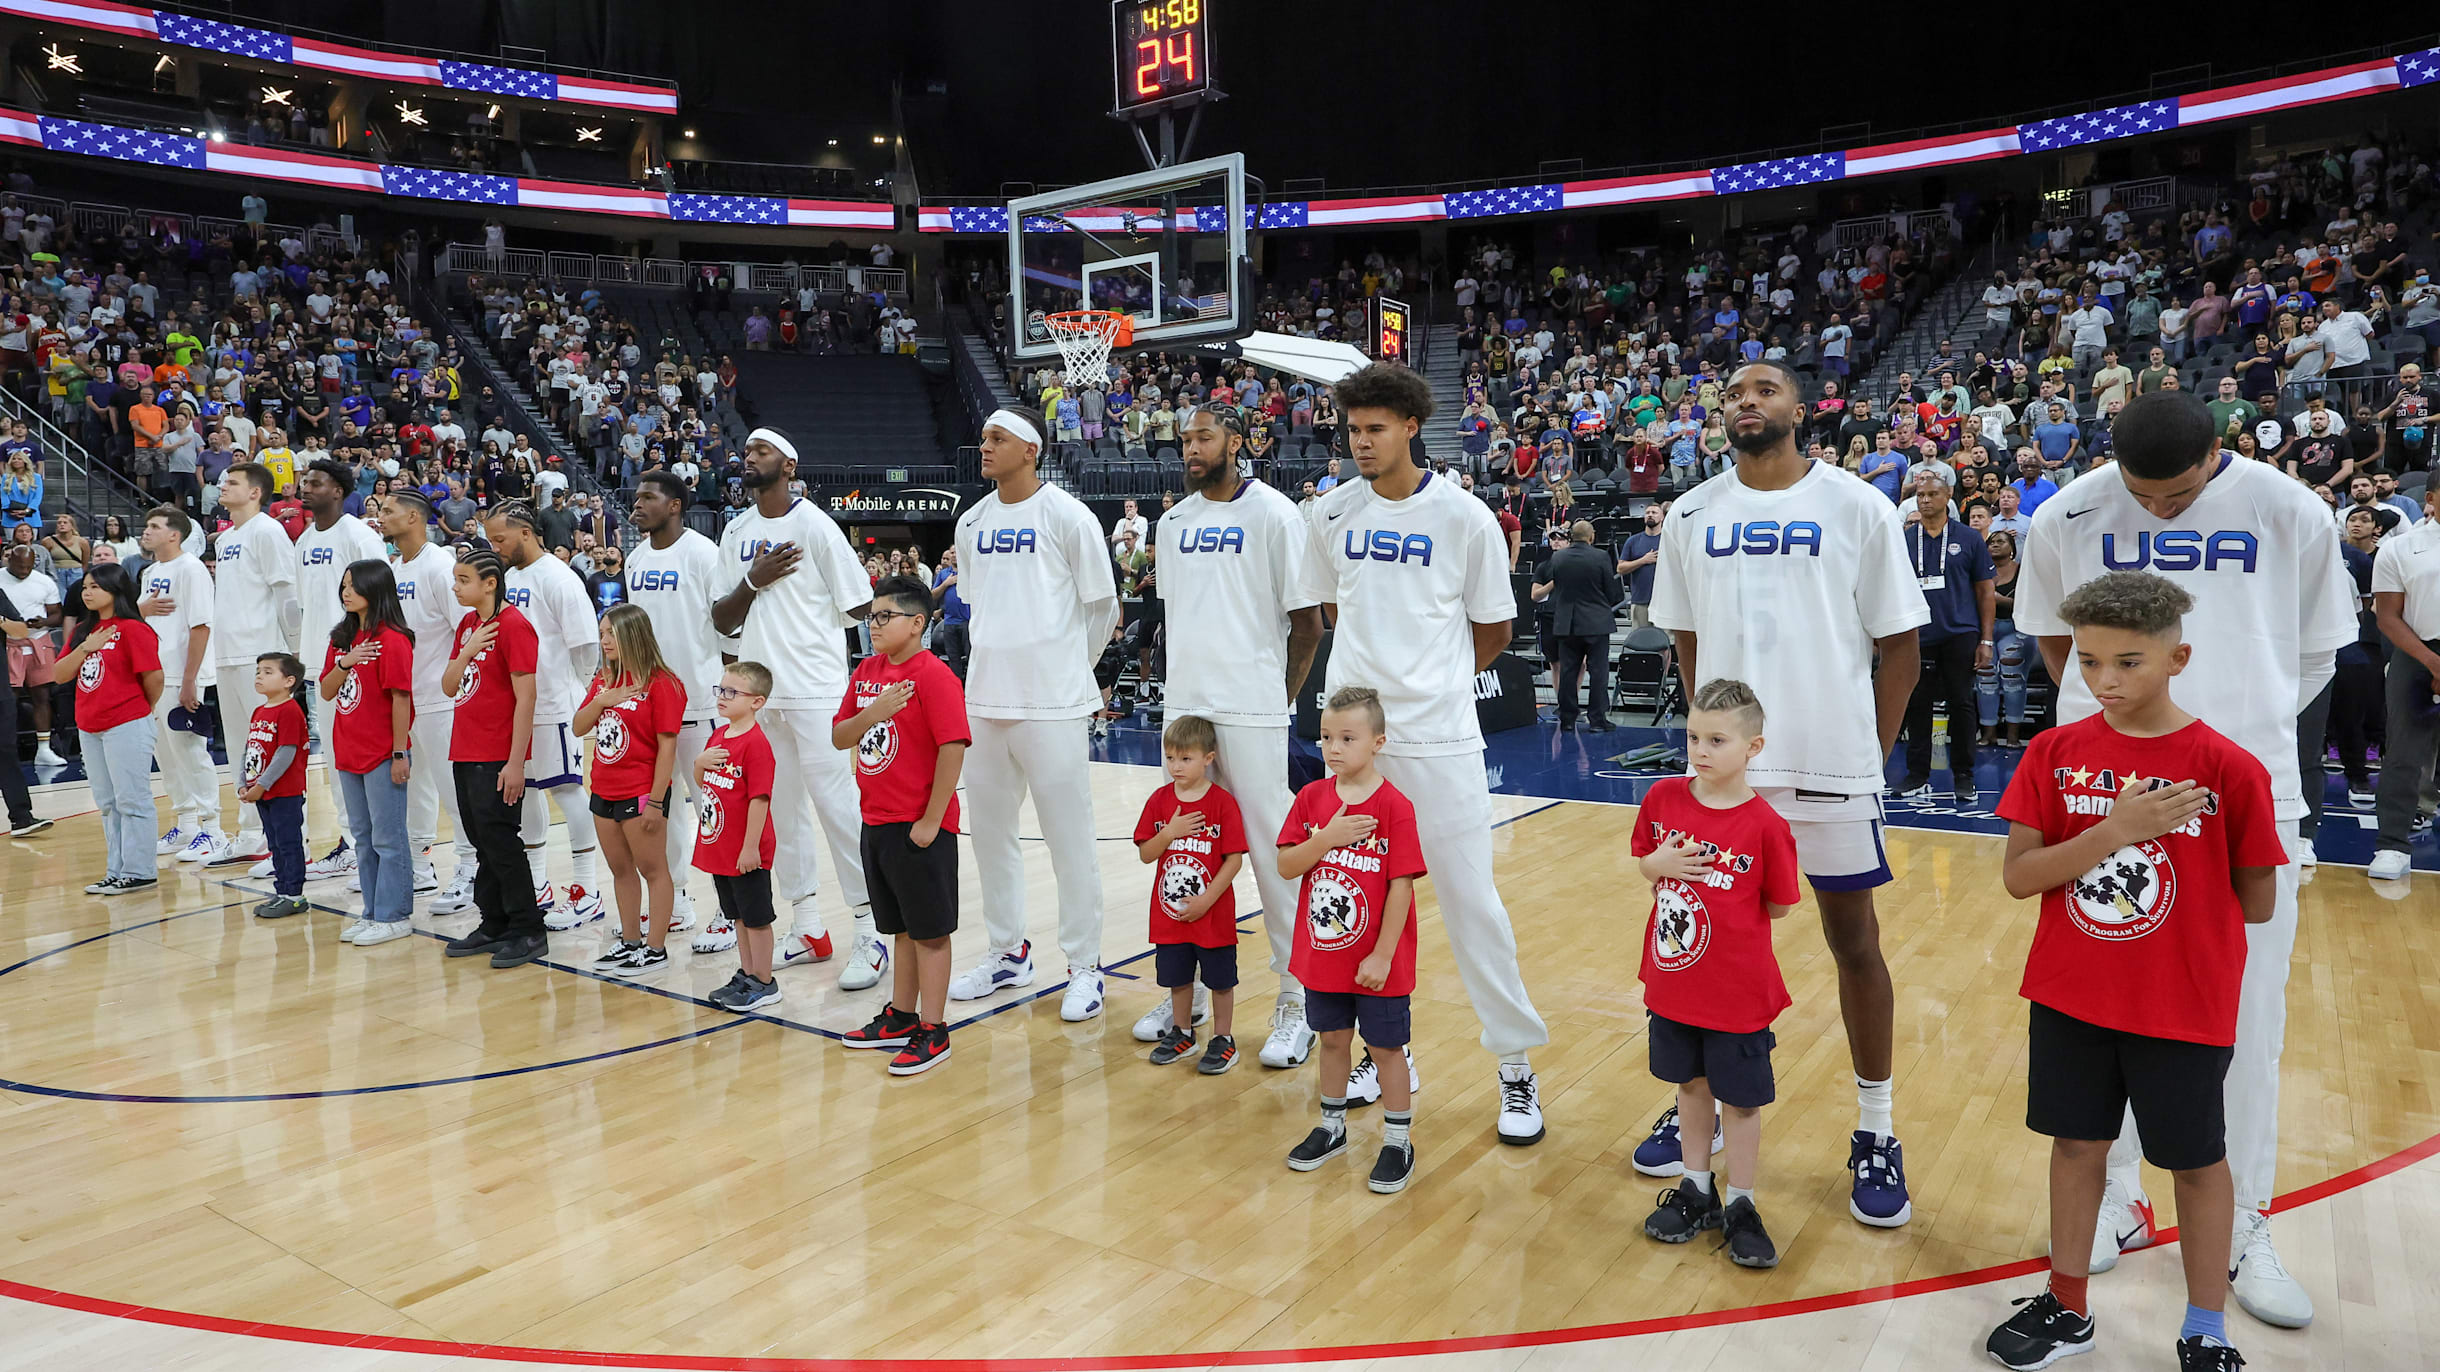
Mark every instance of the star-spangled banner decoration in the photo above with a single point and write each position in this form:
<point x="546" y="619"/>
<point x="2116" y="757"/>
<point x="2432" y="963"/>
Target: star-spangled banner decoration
<point x="215" y="36"/>
<point x="2419" y="68"/>
<point x="431" y="183"/>
<point x="729" y="209"/>
<point x="475" y="76"/>
<point x="1778" y="173"/>
<point x="1283" y="214"/>
<point x="127" y="145"/>
<point x="2095" y="126"/>
<point x="977" y="219"/>
<point x="1504" y="200"/>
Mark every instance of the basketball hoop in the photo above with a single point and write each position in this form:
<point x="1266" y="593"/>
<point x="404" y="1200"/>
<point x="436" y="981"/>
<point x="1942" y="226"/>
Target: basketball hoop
<point x="1084" y="339"/>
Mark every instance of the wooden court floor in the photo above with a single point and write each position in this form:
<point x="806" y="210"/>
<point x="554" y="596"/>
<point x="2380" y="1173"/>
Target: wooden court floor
<point x="209" y="1114"/>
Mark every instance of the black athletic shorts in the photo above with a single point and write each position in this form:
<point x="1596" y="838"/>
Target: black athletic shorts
<point x="1381" y="1021"/>
<point x="2083" y="1077"/>
<point x="1737" y="1067"/>
<point x="914" y="890"/>
<point x="745" y="901"/>
<point x="1183" y="964"/>
<point x="620" y="811"/>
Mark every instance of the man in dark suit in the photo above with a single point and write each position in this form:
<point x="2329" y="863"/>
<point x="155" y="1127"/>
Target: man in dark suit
<point x="1580" y="584"/>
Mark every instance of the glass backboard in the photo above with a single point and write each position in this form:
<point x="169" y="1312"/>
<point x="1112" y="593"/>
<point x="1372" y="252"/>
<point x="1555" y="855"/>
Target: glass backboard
<point x="1167" y="247"/>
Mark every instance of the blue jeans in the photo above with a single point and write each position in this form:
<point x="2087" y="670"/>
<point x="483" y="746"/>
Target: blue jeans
<point x="283" y="820"/>
<point x="2000" y="689"/>
<point x="118" y="763"/>
<point x="377" y="828"/>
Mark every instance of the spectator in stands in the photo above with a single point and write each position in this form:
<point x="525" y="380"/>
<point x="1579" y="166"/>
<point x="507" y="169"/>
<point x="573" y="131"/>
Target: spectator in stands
<point x="1638" y="561"/>
<point x="2031" y="487"/>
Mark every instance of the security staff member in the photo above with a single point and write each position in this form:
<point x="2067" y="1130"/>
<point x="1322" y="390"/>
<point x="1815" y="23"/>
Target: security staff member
<point x="1953" y="567"/>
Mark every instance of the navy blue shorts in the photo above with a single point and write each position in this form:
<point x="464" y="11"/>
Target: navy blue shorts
<point x="1737" y="1066"/>
<point x="1184" y="964"/>
<point x="1381" y="1021"/>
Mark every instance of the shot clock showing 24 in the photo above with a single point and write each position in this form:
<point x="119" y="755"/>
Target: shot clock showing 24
<point x="1161" y="53"/>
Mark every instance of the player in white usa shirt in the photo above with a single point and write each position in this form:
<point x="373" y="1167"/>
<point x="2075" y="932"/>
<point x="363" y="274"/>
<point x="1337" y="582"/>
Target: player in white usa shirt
<point x="254" y="597"/>
<point x="553" y="598"/>
<point x="1790" y="576"/>
<point x="426" y="574"/>
<point x="671" y="574"/>
<point x="1232" y="559"/>
<point x="178" y="604"/>
<point x="789" y="588"/>
<point x="1415" y="574"/>
<point x="1032" y="564"/>
<point x="2273" y="604"/>
<point x="330" y="541"/>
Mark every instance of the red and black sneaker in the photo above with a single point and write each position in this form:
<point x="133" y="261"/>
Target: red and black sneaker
<point x="889" y="1029"/>
<point x="927" y="1047"/>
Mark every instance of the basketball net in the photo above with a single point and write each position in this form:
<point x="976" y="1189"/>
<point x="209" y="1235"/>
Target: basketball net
<point x="1084" y="339"/>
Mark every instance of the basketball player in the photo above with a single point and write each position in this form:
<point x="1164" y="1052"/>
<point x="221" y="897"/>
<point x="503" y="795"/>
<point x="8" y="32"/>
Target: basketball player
<point x="1791" y="576"/>
<point x="254" y="599"/>
<point x="1232" y="576"/>
<point x="427" y="594"/>
<point x="790" y="587"/>
<point x="553" y="599"/>
<point x="178" y="605"/>
<point x="1033" y="566"/>
<point x="670" y="575"/>
<point x="2273" y="603"/>
<point x="329" y="542"/>
<point x="1415" y="572"/>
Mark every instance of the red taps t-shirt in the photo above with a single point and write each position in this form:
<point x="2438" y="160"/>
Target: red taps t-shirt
<point x="272" y="728"/>
<point x="486" y="702"/>
<point x="627" y="737"/>
<point x="1190" y="864"/>
<point x="360" y="736"/>
<point x="728" y="790"/>
<point x="1345" y="896"/>
<point x="895" y="758"/>
<point x="108" y="690"/>
<point x="1707" y="946"/>
<point x="2150" y="941"/>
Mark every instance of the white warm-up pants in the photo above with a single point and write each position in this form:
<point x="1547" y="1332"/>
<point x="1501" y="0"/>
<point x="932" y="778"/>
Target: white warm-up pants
<point x="1452" y="800"/>
<point x="1253" y="767"/>
<point x="692" y="735"/>
<point x="1051" y="759"/>
<point x="2251" y="1096"/>
<point x="814" y="781"/>
<point x="186" y="766"/>
<point x="238" y="702"/>
<point x="431" y="789"/>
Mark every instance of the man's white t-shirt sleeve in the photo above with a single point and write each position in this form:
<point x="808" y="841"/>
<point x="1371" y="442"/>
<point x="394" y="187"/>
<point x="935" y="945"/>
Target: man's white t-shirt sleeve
<point x="1886" y="596"/>
<point x="841" y="574"/>
<point x="2038" y="591"/>
<point x="2389" y="568"/>
<point x="1490" y="597"/>
<point x="1291" y="550"/>
<point x="1671" y="609"/>
<point x="1094" y="577"/>
<point x="1319" y="583"/>
<point x="2325" y="588"/>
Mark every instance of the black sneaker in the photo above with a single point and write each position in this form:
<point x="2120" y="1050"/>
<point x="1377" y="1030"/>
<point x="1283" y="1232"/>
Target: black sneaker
<point x="1742" y="1234"/>
<point x="28" y="828"/>
<point x="473" y="943"/>
<point x="642" y="961"/>
<point x="123" y="886"/>
<point x="1175" y="1044"/>
<point x="1913" y="784"/>
<point x="2041" y="1332"/>
<point x="618" y="952"/>
<point x="518" y="951"/>
<point x="744" y="993"/>
<point x="281" y="907"/>
<point x="1391" y="1169"/>
<point x="1319" y="1147"/>
<point x="2194" y="1355"/>
<point x="1684" y="1212"/>
<point x="1965" y="797"/>
<point x="1219" y="1055"/>
<point x="889" y="1029"/>
<point x="926" y="1048"/>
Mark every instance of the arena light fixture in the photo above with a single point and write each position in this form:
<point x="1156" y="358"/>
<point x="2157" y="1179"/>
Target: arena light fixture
<point x="408" y="114"/>
<point x="57" y="60"/>
<point x="878" y="140"/>
<point x="164" y="64"/>
<point x="588" y="135"/>
<point x="834" y="142"/>
<point x="220" y="136"/>
<point x="273" y="95"/>
<point x="688" y="132"/>
<point x="492" y="113"/>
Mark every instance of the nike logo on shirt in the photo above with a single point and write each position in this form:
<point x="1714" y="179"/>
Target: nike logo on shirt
<point x="2079" y="514"/>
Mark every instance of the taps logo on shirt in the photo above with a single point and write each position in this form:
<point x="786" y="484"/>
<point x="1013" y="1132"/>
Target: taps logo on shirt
<point x="1181" y="881"/>
<point x="468" y="680"/>
<point x="2126" y="895"/>
<point x="1681" y="926"/>
<point x="2183" y="550"/>
<point x="1212" y="538"/>
<point x="878" y="748"/>
<point x="1386" y="545"/>
<point x="89" y="672"/>
<point x="350" y="694"/>
<point x="254" y="761"/>
<point x="610" y="736"/>
<point x="1006" y="541"/>
<point x="1336" y="913"/>
<point x="1764" y="538"/>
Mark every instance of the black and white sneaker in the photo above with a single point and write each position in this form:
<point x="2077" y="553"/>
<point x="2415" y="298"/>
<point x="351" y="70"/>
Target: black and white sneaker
<point x="1742" y="1234"/>
<point x="2195" y="1355"/>
<point x="1913" y="785"/>
<point x="744" y="993"/>
<point x="107" y="886"/>
<point x="1319" y="1147"/>
<point x="616" y="954"/>
<point x="1683" y="1213"/>
<point x="2041" y="1332"/>
<point x="28" y="829"/>
<point x="1174" y="1044"/>
<point x="125" y="886"/>
<point x="1391" y="1169"/>
<point x="642" y="961"/>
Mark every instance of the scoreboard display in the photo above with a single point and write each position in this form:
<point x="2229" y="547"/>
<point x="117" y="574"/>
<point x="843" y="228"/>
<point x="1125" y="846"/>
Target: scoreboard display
<point x="1161" y="53"/>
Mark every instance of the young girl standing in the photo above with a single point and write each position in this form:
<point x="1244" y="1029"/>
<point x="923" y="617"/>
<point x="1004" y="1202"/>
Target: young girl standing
<point x="368" y="670"/>
<point x="632" y="712"/>
<point x="491" y="675"/>
<point x="116" y="664"/>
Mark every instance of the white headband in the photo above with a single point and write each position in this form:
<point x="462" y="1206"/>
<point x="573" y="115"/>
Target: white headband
<point x="1015" y="425"/>
<point x="776" y="439"/>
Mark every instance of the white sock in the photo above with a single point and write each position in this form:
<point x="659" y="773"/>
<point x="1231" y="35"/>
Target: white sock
<point x="1872" y="1107"/>
<point x="1733" y="1194"/>
<point x="588" y="869"/>
<point x="1701" y="1180"/>
<point x="1516" y="1059"/>
<point x="538" y="859"/>
<point x="863" y="918"/>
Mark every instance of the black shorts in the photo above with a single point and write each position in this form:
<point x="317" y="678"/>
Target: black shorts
<point x="1737" y="1067"/>
<point x="1183" y="964"/>
<point x="1381" y="1021"/>
<point x="914" y="890"/>
<point x="620" y="811"/>
<point x="2083" y="1077"/>
<point x="745" y="901"/>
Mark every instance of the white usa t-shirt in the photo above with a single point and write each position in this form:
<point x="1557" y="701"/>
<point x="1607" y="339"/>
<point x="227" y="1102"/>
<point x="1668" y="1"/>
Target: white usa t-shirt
<point x="323" y="556"/>
<point x="1411" y="578"/>
<point x="796" y="625"/>
<point x="1786" y="591"/>
<point x="185" y="582"/>
<point x="255" y="577"/>
<point x="675" y="587"/>
<point x="554" y="600"/>
<point x="2409" y="565"/>
<point x="1044" y="596"/>
<point x="427" y="596"/>
<point x="1229" y="573"/>
<point x="2257" y="551"/>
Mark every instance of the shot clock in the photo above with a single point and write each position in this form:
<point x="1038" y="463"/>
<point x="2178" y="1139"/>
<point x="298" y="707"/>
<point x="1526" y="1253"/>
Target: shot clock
<point x="1161" y="54"/>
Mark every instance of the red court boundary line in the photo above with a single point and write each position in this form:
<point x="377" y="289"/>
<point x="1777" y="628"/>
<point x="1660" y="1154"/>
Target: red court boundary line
<point x="97" y="1305"/>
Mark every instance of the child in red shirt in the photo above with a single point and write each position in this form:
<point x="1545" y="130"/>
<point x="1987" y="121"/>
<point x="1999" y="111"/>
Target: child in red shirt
<point x="734" y="840"/>
<point x="904" y="715"/>
<point x="1350" y="838"/>
<point x="1722" y="864"/>
<point x="271" y="778"/>
<point x="490" y="675"/>
<point x="368" y="675"/>
<point x="115" y="661"/>
<point x="631" y="711"/>
<point x="1193" y="829"/>
<point x="2152" y="842"/>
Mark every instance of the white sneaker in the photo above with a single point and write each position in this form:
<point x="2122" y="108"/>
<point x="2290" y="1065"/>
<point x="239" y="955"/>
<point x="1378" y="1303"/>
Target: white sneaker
<point x="384" y="933"/>
<point x="996" y="972"/>
<point x="455" y="898"/>
<point x="1520" y="1105"/>
<point x="1083" y="998"/>
<point x="2261" y="1282"/>
<point x="244" y="848"/>
<point x="719" y="936"/>
<point x="865" y="963"/>
<point x="682" y="913"/>
<point x="2125" y="1225"/>
<point x="200" y="844"/>
<point x="174" y="842"/>
<point x="1291" y="1040"/>
<point x="2305" y="856"/>
<point x="44" y="757"/>
<point x="338" y="862"/>
<point x="425" y="878"/>
<point x="798" y="949"/>
<point x="355" y="881"/>
<point x="583" y="907"/>
<point x="261" y="870"/>
<point x="2390" y="865"/>
<point x="354" y="927"/>
<point x="1364" y="1081"/>
<point x="545" y="899"/>
<point x="1160" y="1019"/>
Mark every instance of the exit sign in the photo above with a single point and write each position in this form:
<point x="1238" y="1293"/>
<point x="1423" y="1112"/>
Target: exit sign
<point x="896" y="476"/>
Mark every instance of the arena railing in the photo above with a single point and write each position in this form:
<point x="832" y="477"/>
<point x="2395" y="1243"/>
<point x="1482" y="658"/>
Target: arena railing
<point x="664" y="272"/>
